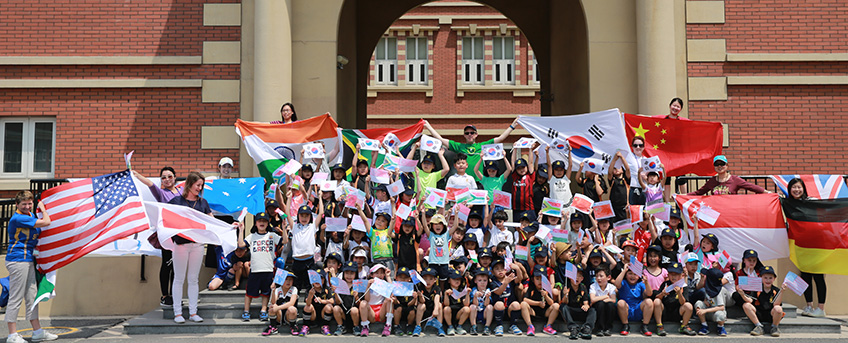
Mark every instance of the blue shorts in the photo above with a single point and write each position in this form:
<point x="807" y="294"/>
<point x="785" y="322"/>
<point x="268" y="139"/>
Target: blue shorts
<point x="634" y="311"/>
<point x="259" y="284"/>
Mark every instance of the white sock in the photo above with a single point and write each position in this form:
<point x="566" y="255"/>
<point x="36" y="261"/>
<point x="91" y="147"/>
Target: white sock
<point x="37" y="332"/>
<point x="389" y="318"/>
<point x="364" y="323"/>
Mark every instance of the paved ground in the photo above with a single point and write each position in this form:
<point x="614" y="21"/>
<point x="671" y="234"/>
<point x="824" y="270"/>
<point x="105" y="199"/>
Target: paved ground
<point x="110" y="329"/>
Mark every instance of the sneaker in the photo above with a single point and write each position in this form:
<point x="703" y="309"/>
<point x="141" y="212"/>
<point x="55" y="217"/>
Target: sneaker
<point x="531" y="330"/>
<point x="661" y="331"/>
<point x="245" y="316"/>
<point x="807" y="310"/>
<point x="625" y="329"/>
<point x="549" y="330"/>
<point x="499" y="330"/>
<point x="387" y="330"/>
<point x="441" y="332"/>
<point x="644" y="330"/>
<point x="686" y="330"/>
<point x="451" y="330"/>
<point x="357" y="330"/>
<point x="607" y="333"/>
<point x="295" y="331"/>
<point x="166" y="301"/>
<point x="304" y="330"/>
<point x="705" y="330"/>
<point x="775" y="331"/>
<point x="586" y="332"/>
<point x="269" y="331"/>
<point x="473" y="330"/>
<point x="44" y="336"/>
<point x="365" y="331"/>
<point x="339" y="331"/>
<point x="460" y="331"/>
<point x="486" y="331"/>
<point x="179" y="320"/>
<point x="398" y="331"/>
<point x="15" y="338"/>
<point x="409" y="330"/>
<point x="757" y="331"/>
<point x="515" y="330"/>
<point x="417" y="331"/>
<point x="817" y="312"/>
<point x="195" y="318"/>
<point x="325" y="330"/>
<point x="721" y="331"/>
<point x="574" y="333"/>
<point x="599" y="333"/>
<point x="263" y="316"/>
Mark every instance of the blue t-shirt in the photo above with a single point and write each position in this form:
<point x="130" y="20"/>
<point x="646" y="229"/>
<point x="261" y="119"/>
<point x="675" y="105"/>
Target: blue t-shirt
<point x="632" y="294"/>
<point x="439" y="250"/>
<point x="23" y="236"/>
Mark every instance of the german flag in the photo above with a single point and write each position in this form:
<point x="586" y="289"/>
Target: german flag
<point x="818" y="234"/>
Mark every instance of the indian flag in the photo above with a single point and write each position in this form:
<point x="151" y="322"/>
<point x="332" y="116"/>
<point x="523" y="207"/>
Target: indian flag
<point x="272" y="145"/>
<point x="406" y="136"/>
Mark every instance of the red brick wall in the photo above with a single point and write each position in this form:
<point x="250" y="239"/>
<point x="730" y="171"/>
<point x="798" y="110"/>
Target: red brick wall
<point x="95" y="127"/>
<point x="779" y="129"/>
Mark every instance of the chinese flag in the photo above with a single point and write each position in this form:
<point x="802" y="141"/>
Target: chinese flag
<point x="683" y="146"/>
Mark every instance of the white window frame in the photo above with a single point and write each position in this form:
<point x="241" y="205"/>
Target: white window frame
<point x="535" y="79"/>
<point x="28" y="147"/>
<point x="386" y="68"/>
<point x="416" y="68"/>
<point x="473" y="68"/>
<point x="504" y="68"/>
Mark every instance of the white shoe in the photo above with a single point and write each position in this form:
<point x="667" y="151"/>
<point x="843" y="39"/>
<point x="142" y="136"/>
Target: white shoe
<point x="15" y="338"/>
<point x="195" y="318"/>
<point x="44" y="336"/>
<point x="806" y="311"/>
<point x="817" y="312"/>
<point x="179" y="320"/>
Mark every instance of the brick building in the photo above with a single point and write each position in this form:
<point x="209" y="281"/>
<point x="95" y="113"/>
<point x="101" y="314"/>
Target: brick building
<point x="85" y="82"/>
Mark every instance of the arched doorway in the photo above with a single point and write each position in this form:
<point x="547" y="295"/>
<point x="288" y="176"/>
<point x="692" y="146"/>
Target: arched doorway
<point x="556" y="29"/>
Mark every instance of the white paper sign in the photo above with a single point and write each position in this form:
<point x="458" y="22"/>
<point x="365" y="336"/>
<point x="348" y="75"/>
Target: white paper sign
<point x="493" y="152"/>
<point x="391" y="140"/>
<point x="524" y="142"/>
<point x="650" y="164"/>
<point x="336" y="224"/>
<point x="329" y="186"/>
<point x="369" y="144"/>
<point x="359" y="225"/>
<point x="395" y="188"/>
<point x="291" y="167"/>
<point x="708" y="215"/>
<point x="430" y="144"/>
<point x="593" y="165"/>
<point x="403" y="211"/>
<point x="380" y="176"/>
<point x="313" y="150"/>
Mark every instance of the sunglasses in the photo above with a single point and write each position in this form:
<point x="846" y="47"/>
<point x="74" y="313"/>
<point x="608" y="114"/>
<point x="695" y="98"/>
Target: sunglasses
<point x="167" y="177"/>
<point x="638" y="145"/>
<point x="719" y="164"/>
<point x="470" y="133"/>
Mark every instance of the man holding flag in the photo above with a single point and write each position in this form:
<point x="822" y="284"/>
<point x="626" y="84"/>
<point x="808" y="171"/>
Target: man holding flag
<point x="470" y="148"/>
<point x="24" y="228"/>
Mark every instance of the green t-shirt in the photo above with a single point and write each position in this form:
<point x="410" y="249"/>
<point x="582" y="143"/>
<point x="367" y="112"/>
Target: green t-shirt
<point x="381" y="243"/>
<point x="428" y="179"/>
<point x="490" y="184"/>
<point x="472" y="151"/>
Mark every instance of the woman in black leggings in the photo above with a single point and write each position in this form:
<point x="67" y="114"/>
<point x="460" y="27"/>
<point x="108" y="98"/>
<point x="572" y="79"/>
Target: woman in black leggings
<point x="798" y="190"/>
<point x="164" y="192"/>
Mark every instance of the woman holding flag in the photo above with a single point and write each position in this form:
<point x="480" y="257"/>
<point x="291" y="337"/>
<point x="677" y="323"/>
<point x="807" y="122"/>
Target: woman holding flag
<point x="166" y="191"/>
<point x="188" y="255"/>
<point x="798" y="191"/>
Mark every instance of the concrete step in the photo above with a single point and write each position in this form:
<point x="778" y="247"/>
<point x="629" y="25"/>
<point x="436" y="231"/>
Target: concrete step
<point x="153" y="323"/>
<point x="218" y="310"/>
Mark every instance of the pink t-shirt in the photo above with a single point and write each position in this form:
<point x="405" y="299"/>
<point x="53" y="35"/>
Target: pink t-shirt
<point x="655" y="281"/>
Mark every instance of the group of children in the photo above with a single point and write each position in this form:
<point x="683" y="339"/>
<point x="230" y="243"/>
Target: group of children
<point x="477" y="270"/>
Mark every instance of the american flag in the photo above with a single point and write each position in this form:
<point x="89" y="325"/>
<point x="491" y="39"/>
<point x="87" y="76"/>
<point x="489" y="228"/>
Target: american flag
<point x="86" y="215"/>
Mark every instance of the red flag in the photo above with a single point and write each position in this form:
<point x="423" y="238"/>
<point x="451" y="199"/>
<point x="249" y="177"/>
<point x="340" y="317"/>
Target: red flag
<point x="86" y="215"/>
<point x="683" y="146"/>
<point x="751" y="221"/>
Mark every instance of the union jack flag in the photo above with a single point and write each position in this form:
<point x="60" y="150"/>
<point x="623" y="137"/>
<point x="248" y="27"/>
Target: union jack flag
<point x="86" y="215"/>
<point x="818" y="186"/>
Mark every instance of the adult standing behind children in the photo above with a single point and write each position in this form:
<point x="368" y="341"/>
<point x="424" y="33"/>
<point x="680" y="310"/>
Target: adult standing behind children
<point x="24" y="228"/>
<point x="471" y="147"/>
<point x="724" y="183"/>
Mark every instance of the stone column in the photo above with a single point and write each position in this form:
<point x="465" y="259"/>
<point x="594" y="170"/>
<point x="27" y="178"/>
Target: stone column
<point x="272" y="66"/>
<point x="655" y="53"/>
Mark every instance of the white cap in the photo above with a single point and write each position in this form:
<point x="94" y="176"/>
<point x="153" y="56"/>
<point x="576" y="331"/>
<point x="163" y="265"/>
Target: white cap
<point x="377" y="267"/>
<point x="360" y="253"/>
<point x="226" y="160"/>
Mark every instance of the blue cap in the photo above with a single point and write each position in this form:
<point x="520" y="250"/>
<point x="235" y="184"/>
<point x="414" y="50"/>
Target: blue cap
<point x="337" y="166"/>
<point x="540" y="270"/>
<point x="668" y="232"/>
<point x="261" y="216"/>
<point x="385" y="215"/>
<point x="280" y="262"/>
<point x="304" y="209"/>
<point x="520" y="163"/>
<point x="491" y="165"/>
<point x="428" y="271"/>
<point x="403" y="271"/>
<point x="719" y="158"/>
<point x="336" y="256"/>
<point x="767" y="270"/>
<point x="596" y="253"/>
<point x="470" y="237"/>
<point x="750" y="253"/>
<point x="675" y="268"/>
<point x="455" y="274"/>
<point x="558" y="164"/>
<point x="429" y="158"/>
<point x="674" y="213"/>
<point x="484" y="252"/>
<point x="408" y="190"/>
<point x="483" y="271"/>
<point x="527" y="215"/>
<point x="542" y="171"/>
<point x="541" y="251"/>
<point x="461" y="259"/>
<point x="576" y="216"/>
<point x="350" y="266"/>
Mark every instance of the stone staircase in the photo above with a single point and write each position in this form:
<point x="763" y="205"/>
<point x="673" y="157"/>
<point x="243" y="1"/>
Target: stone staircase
<point x="221" y="311"/>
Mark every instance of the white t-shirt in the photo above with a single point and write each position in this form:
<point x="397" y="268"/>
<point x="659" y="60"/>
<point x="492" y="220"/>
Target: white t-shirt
<point x="262" y="251"/>
<point x="303" y="240"/>
<point x="634" y="172"/>
<point x="498" y="236"/>
<point x="380" y="206"/>
<point x="461" y="181"/>
<point x="286" y="297"/>
<point x="560" y="188"/>
<point x="596" y="290"/>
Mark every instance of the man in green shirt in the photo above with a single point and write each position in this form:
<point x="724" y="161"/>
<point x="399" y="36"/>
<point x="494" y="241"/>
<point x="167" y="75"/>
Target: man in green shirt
<point x="471" y="148"/>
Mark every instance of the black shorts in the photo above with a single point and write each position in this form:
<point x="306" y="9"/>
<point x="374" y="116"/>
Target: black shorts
<point x="764" y="315"/>
<point x="259" y="284"/>
<point x="455" y="308"/>
<point x="671" y="310"/>
<point x="405" y="310"/>
<point x="538" y="312"/>
<point x="428" y="309"/>
<point x="442" y="270"/>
